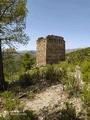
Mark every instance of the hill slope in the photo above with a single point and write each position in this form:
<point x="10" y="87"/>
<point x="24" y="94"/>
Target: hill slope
<point x="78" y="56"/>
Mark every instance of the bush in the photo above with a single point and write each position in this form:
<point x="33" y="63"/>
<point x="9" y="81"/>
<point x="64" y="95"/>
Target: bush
<point x="35" y="74"/>
<point x="68" y="113"/>
<point x="86" y="95"/>
<point x="86" y="99"/>
<point x="49" y="73"/>
<point x="25" y="80"/>
<point x="72" y="86"/>
<point x="79" y="56"/>
<point x="85" y="68"/>
<point x="10" y="102"/>
<point x="52" y="74"/>
<point x="26" y="115"/>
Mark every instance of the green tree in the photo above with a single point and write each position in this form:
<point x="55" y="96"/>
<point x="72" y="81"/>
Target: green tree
<point x="11" y="65"/>
<point x="12" y="24"/>
<point x="28" y="61"/>
<point x="85" y="69"/>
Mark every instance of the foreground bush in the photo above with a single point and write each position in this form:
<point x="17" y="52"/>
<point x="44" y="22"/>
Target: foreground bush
<point x="68" y="113"/>
<point x="26" y="115"/>
<point x="10" y="102"/>
<point x="72" y="86"/>
<point x="49" y="73"/>
<point x="25" y="80"/>
<point x="53" y="73"/>
<point x="85" y="69"/>
<point x="86" y="95"/>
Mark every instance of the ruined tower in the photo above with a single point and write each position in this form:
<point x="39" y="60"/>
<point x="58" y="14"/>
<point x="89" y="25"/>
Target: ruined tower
<point x="50" y="50"/>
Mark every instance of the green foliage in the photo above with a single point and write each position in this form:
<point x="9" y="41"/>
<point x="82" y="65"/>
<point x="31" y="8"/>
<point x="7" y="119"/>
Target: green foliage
<point x="67" y="66"/>
<point x="72" y="86"/>
<point x="10" y="101"/>
<point x="52" y="74"/>
<point x="25" y="80"/>
<point x="12" y="25"/>
<point x="86" y="95"/>
<point x="30" y="95"/>
<point x="86" y="99"/>
<point x="78" y="56"/>
<point x="11" y="65"/>
<point x="16" y="63"/>
<point x="26" y="115"/>
<point x="28" y="61"/>
<point x="35" y="74"/>
<point x="68" y="113"/>
<point x="85" y="69"/>
<point x="64" y="65"/>
<point x="49" y="73"/>
<point x="12" y="20"/>
<point x="71" y="83"/>
<point x="7" y="94"/>
<point x="8" y="14"/>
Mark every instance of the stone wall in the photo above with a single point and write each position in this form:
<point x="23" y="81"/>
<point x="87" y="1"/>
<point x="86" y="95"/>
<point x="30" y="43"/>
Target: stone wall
<point x="50" y="50"/>
<point x="41" y="52"/>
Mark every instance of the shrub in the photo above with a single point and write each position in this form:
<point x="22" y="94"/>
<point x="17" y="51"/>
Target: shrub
<point x="68" y="113"/>
<point x="35" y="74"/>
<point x="85" y="68"/>
<point x="86" y="95"/>
<point x="10" y="101"/>
<point x="26" y="115"/>
<point x="86" y="99"/>
<point x="25" y="80"/>
<point x="72" y="86"/>
<point x="53" y="73"/>
<point x="79" y="56"/>
<point x="50" y="73"/>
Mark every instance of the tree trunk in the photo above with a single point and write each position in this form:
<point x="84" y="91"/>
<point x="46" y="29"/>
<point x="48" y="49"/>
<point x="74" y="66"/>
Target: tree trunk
<point x="2" y="80"/>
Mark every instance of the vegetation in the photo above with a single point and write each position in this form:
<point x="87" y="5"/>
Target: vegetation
<point x="86" y="99"/>
<point x="12" y="24"/>
<point x="50" y="73"/>
<point x="22" y="115"/>
<point x="78" y="56"/>
<point x="69" y="113"/>
<point x="64" y="73"/>
<point x="11" y="64"/>
<point x="16" y="63"/>
<point x="19" y="70"/>
<point x="82" y="58"/>
<point x="10" y="102"/>
<point x="85" y="69"/>
<point x="19" y="74"/>
<point x="28" y="61"/>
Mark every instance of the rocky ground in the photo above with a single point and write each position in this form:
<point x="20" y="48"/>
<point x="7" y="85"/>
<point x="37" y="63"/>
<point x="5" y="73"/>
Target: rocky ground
<point x="50" y="101"/>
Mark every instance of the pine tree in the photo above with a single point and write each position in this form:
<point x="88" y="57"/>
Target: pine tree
<point x="12" y="24"/>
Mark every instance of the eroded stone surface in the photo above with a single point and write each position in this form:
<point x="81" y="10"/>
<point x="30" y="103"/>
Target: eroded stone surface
<point x="50" y="50"/>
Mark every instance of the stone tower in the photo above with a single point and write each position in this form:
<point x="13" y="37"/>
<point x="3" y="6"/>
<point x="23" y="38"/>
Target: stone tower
<point x="50" y="50"/>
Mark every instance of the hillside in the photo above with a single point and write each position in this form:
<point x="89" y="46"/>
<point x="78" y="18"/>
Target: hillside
<point x="78" y="56"/>
<point x="72" y="50"/>
<point x="53" y="92"/>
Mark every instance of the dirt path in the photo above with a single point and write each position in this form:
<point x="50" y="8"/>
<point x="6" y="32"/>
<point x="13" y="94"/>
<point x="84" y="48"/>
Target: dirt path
<point x="53" y="96"/>
<point x="53" y="99"/>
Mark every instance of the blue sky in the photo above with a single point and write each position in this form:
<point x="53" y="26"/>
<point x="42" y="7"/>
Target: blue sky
<point x="67" y="18"/>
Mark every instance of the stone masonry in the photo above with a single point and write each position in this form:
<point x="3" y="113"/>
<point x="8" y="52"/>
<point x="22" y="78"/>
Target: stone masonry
<point x="50" y="50"/>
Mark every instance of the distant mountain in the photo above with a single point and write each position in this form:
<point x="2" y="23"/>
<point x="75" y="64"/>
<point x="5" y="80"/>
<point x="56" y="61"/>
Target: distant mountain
<point x="72" y="50"/>
<point x="33" y="52"/>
